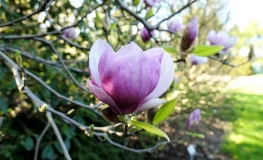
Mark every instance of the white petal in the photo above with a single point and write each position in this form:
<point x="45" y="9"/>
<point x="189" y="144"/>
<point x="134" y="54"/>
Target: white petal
<point x="166" y="77"/>
<point x="150" y="104"/>
<point x="95" y="53"/>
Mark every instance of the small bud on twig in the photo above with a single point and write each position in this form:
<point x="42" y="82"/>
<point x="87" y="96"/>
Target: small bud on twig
<point x="43" y="108"/>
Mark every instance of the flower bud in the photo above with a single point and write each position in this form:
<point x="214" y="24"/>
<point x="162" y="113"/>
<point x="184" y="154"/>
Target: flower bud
<point x="106" y="22"/>
<point x="146" y="35"/>
<point x="222" y="38"/>
<point x="190" y="33"/>
<point x="151" y="3"/>
<point x="196" y="60"/>
<point x="174" y="26"/>
<point x="251" y="53"/>
<point x="194" y="119"/>
<point x="71" y="33"/>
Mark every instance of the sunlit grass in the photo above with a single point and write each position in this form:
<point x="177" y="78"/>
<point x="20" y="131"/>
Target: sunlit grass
<point x="245" y="141"/>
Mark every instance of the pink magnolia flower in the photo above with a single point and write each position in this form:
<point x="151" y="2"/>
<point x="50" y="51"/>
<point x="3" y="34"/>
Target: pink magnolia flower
<point x="194" y="119"/>
<point x="222" y="38"/>
<point x="151" y="3"/>
<point x="195" y="60"/>
<point x="71" y="33"/>
<point x="129" y="80"/>
<point x="174" y="26"/>
<point x="146" y="35"/>
<point x="190" y="33"/>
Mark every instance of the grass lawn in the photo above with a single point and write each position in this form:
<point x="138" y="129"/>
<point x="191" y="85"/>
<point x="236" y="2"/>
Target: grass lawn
<point x="245" y="140"/>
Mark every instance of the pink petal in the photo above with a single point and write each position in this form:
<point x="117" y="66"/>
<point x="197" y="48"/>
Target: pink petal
<point x="196" y="60"/>
<point x="150" y="104"/>
<point x="95" y="53"/>
<point x="108" y="57"/>
<point x="103" y="96"/>
<point x="231" y="42"/>
<point x="222" y="38"/>
<point x="130" y="48"/>
<point x="130" y="79"/>
<point x="212" y="38"/>
<point x="166" y="77"/>
<point x="157" y="52"/>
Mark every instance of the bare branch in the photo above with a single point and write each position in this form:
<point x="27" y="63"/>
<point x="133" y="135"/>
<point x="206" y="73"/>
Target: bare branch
<point x="144" y="22"/>
<point x="225" y="62"/>
<point x="55" y="129"/>
<point x="40" y="9"/>
<point x="42" y="60"/>
<point x="39" y="140"/>
<point x="62" y="62"/>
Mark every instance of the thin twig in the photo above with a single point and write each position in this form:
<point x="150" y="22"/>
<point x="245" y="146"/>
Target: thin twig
<point x="225" y="62"/>
<point x="144" y="22"/>
<point x="42" y="60"/>
<point x="39" y="140"/>
<point x="40" y="9"/>
<point x="61" y="61"/>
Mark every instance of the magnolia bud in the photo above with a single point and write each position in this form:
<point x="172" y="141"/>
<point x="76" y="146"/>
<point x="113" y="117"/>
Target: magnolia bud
<point x="151" y="3"/>
<point x="251" y="53"/>
<point x="71" y="33"/>
<point x="194" y="119"/>
<point x="190" y="33"/>
<point x="106" y="21"/>
<point x="146" y="35"/>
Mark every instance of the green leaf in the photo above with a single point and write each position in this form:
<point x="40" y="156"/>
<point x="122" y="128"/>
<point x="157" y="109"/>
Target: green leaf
<point x="164" y="111"/>
<point x="150" y="128"/>
<point x="58" y="147"/>
<point x="3" y="2"/>
<point x="29" y="144"/>
<point x="66" y="130"/>
<point x="207" y="50"/>
<point x="97" y="18"/>
<point x="136" y="2"/>
<point x="149" y="13"/>
<point x="67" y="143"/>
<point x="3" y="105"/>
<point x="195" y="135"/>
<point x="48" y="153"/>
<point x="170" y="49"/>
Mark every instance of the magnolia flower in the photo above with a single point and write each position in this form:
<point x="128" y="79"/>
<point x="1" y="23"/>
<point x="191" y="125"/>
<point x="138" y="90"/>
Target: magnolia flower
<point x="129" y="80"/>
<point x="174" y="26"/>
<point x="146" y="35"/>
<point x="195" y="60"/>
<point x="194" y="118"/>
<point x="71" y="33"/>
<point x="221" y="38"/>
<point x="151" y="3"/>
<point x="190" y="33"/>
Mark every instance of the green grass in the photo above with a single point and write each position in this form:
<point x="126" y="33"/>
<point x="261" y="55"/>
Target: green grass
<point x="245" y="140"/>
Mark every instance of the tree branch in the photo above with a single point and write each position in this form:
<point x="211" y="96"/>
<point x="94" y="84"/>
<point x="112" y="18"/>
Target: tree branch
<point x="42" y="60"/>
<point x="61" y="61"/>
<point x="40" y="9"/>
<point x="55" y="129"/>
<point x="39" y="140"/>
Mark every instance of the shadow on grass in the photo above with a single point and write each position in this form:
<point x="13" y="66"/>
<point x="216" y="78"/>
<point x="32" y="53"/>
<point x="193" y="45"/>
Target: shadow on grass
<point x="245" y="141"/>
